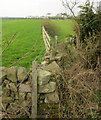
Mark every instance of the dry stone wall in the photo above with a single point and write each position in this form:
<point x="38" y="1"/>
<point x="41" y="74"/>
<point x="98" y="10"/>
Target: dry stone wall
<point x="47" y="89"/>
<point x="16" y="88"/>
<point x="16" y="91"/>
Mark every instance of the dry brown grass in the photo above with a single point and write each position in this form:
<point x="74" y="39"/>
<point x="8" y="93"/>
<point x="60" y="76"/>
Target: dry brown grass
<point x="79" y="88"/>
<point x="78" y="93"/>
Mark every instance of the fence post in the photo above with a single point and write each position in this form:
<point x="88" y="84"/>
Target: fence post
<point x="34" y="89"/>
<point x="56" y="41"/>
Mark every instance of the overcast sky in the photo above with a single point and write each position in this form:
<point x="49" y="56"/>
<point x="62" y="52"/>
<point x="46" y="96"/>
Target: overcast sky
<point x="22" y="8"/>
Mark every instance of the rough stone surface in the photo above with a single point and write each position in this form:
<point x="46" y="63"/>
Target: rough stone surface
<point x="15" y="103"/>
<point x="17" y="87"/>
<point x="5" y="105"/>
<point x="22" y="96"/>
<point x="7" y="99"/>
<point x="6" y="92"/>
<point x="29" y="96"/>
<point x="3" y="74"/>
<point x="17" y="96"/>
<point x="13" y="87"/>
<point x="52" y="67"/>
<point x="12" y="94"/>
<point x="52" y="98"/>
<point x="43" y="77"/>
<point x="12" y="106"/>
<point x="25" y="103"/>
<point x="22" y="74"/>
<point x="5" y="83"/>
<point x="24" y="88"/>
<point x="12" y="74"/>
<point x="48" y="88"/>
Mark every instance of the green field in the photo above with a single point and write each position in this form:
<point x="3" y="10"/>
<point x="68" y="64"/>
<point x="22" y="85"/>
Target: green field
<point x="28" y="33"/>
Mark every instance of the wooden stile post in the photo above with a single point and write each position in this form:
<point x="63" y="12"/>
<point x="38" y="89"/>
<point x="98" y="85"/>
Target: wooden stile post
<point x="34" y="89"/>
<point x="56" y="41"/>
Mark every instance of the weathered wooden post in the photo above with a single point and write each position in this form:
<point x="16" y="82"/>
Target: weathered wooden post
<point x="34" y="89"/>
<point x="56" y="41"/>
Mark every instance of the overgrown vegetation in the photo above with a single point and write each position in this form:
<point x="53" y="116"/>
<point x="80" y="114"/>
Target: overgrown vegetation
<point x="88" y="20"/>
<point x="80" y="76"/>
<point x="51" y="28"/>
<point x="90" y="30"/>
<point x="79" y="85"/>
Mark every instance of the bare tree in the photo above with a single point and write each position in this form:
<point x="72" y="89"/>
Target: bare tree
<point x="70" y="5"/>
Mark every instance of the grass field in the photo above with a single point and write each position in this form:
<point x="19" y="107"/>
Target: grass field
<point x="28" y="33"/>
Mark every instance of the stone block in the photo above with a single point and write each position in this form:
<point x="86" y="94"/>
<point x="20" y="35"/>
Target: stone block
<point x="24" y="88"/>
<point x="22" y="74"/>
<point x="25" y="103"/>
<point x="52" y="98"/>
<point x="6" y="92"/>
<point x="12" y="74"/>
<point x="17" y="96"/>
<point x="4" y="106"/>
<point x="52" y="67"/>
<point x="13" y="87"/>
<point x="3" y="74"/>
<point x="43" y="77"/>
<point x="12" y="94"/>
<point x="5" y="83"/>
<point x="48" y="88"/>
<point x="7" y="99"/>
<point x="29" y="96"/>
<point x="22" y="96"/>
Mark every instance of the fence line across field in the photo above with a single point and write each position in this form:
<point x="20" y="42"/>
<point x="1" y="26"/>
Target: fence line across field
<point x="46" y="39"/>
